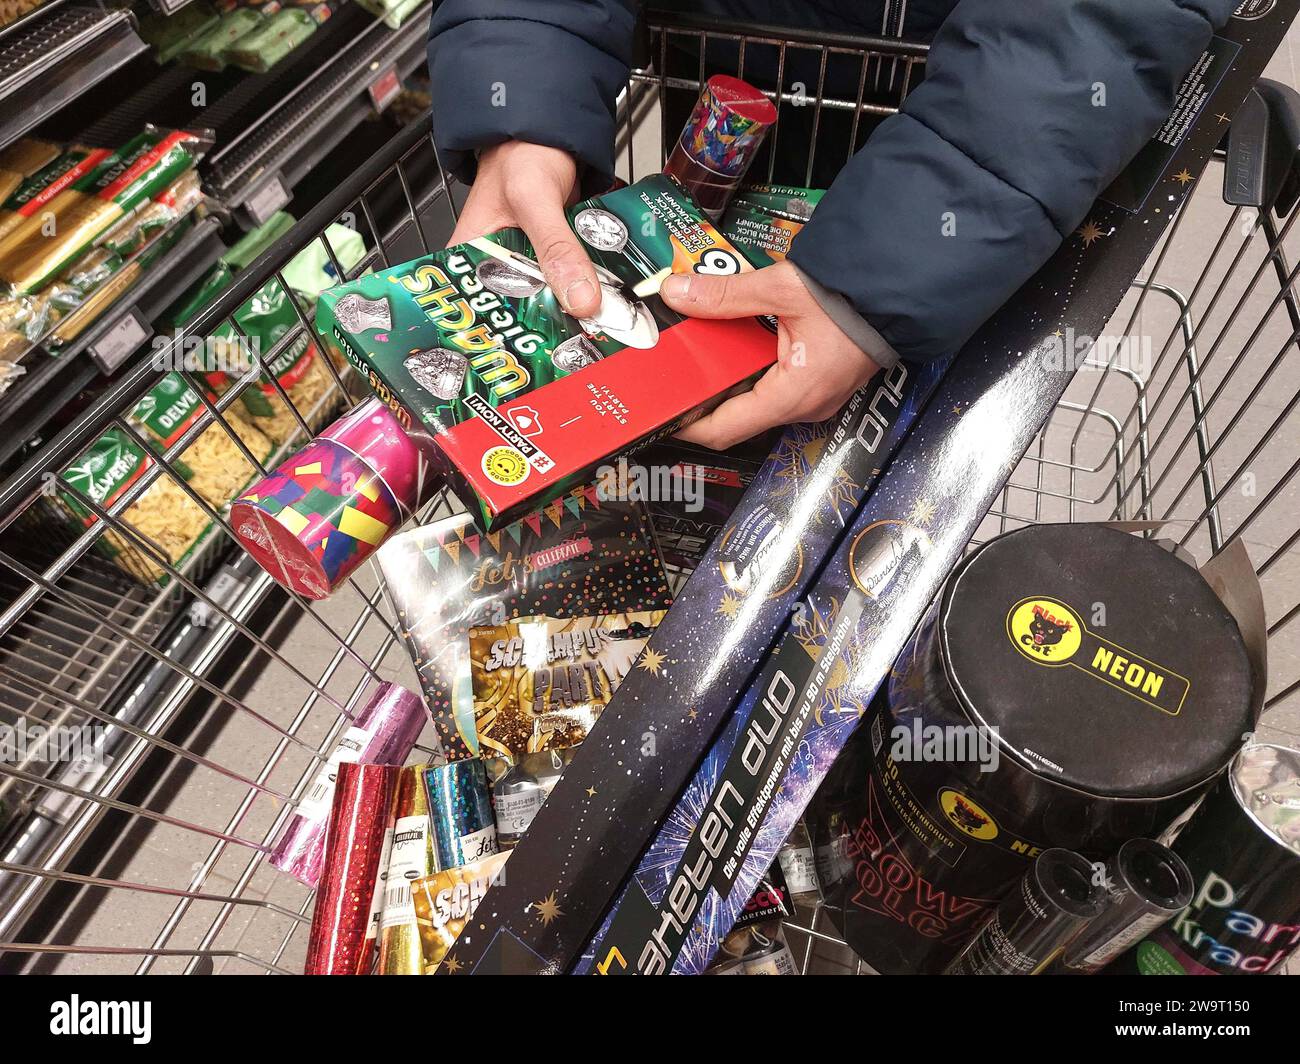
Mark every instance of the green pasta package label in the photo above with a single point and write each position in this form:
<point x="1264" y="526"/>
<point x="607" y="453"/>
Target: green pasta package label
<point x="541" y="682"/>
<point x="470" y="346"/>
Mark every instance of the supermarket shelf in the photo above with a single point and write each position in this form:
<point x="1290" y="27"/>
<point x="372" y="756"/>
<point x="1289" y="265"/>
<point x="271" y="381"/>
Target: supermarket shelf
<point x="52" y="380"/>
<point x="54" y="56"/>
<point x="255" y="169"/>
<point x="140" y="691"/>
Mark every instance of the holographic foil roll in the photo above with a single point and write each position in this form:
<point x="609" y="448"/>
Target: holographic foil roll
<point x="410" y="857"/>
<point x="720" y="140"/>
<point x="338" y="944"/>
<point x="460" y="810"/>
<point x="383" y="732"/>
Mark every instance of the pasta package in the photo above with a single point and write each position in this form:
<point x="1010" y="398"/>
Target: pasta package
<point x="37" y="187"/>
<point x="260" y="324"/>
<point x="213" y="464"/>
<point x="163" y="514"/>
<point x="22" y="159"/>
<point x="540" y="683"/>
<point x="38" y="248"/>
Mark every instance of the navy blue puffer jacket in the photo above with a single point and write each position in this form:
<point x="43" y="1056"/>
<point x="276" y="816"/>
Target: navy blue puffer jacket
<point x="1003" y="139"/>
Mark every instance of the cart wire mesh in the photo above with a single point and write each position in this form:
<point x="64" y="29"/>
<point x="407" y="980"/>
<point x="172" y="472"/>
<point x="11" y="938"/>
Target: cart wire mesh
<point x="211" y="696"/>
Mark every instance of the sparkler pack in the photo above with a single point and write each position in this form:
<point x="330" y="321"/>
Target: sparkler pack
<point x="470" y="347"/>
<point x="706" y="810"/>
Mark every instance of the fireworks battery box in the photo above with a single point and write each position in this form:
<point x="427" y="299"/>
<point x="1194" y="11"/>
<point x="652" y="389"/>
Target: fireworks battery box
<point x="817" y="686"/>
<point x="708" y="849"/>
<point x="1102" y="685"/>
<point x="698" y="489"/>
<point x="641" y="751"/>
<point x="470" y="346"/>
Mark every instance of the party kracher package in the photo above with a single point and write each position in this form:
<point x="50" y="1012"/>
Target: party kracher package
<point x="470" y="346"/>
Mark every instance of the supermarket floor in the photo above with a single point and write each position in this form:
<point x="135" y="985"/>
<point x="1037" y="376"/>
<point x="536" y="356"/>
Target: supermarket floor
<point x="250" y="919"/>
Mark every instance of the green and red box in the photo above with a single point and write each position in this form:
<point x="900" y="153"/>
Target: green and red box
<point x="469" y="346"/>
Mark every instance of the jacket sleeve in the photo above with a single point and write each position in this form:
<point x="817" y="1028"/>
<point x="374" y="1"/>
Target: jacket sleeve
<point x="995" y="158"/>
<point x="545" y="71"/>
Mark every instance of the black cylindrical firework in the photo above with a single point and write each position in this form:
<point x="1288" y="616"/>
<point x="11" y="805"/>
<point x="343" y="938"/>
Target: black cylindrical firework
<point x="1148" y="884"/>
<point x="1242" y="846"/>
<point x="1031" y="925"/>
<point x="1074" y="687"/>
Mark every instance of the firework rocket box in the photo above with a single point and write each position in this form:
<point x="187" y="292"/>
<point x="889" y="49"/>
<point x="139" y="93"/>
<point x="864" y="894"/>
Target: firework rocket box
<point x="470" y="346"/>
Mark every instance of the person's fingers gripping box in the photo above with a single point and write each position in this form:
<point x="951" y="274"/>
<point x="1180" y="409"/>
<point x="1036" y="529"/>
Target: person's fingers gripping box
<point x="470" y="346"/>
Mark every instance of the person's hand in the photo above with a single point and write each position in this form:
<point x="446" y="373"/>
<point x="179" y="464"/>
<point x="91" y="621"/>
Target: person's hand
<point x="528" y="186"/>
<point x="817" y="367"/>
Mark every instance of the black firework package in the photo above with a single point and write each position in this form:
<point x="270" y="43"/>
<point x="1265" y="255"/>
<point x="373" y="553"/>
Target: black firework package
<point x="1242" y="847"/>
<point x="1074" y="686"/>
<point x="741" y="770"/>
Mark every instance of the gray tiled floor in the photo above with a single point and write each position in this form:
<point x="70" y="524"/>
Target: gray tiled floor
<point x="172" y="857"/>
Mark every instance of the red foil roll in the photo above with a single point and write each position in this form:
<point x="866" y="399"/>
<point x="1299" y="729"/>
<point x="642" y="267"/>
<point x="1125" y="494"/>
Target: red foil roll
<point x="353" y="846"/>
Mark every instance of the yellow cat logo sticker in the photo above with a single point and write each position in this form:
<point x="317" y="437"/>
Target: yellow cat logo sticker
<point x="1048" y="632"/>
<point x="965" y="815"/>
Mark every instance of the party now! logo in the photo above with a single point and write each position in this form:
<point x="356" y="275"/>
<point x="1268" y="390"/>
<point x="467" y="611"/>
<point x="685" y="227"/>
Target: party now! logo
<point x="133" y="1019"/>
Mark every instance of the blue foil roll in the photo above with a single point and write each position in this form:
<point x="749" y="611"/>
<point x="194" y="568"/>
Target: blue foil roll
<point x="460" y="812"/>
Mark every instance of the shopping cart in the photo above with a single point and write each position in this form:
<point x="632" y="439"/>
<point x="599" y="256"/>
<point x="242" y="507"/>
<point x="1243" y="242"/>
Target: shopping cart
<point x="219" y="693"/>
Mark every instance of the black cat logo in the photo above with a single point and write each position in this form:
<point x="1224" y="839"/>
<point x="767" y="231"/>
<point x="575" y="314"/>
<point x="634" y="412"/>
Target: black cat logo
<point x="966" y="817"/>
<point x="1045" y="630"/>
<point x="1045" y="633"/>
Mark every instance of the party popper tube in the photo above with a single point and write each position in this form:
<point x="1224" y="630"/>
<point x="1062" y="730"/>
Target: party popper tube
<point x="338" y="944"/>
<point x="326" y="509"/>
<point x="460" y="812"/>
<point x="720" y="140"/>
<point x="33" y="251"/>
<point x="410" y="858"/>
<point x="383" y="732"/>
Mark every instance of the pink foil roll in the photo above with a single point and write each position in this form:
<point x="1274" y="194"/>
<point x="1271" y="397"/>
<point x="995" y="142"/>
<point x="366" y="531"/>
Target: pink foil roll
<point x="383" y="732"/>
<point x="338" y="943"/>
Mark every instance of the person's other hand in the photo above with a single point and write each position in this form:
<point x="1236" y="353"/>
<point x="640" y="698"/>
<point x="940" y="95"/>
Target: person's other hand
<point x="817" y="367"/>
<point x="528" y="186"/>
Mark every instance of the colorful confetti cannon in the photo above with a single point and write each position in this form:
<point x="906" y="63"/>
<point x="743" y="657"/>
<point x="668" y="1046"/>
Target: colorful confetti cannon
<point x="318" y="516"/>
<point x="720" y="140"/>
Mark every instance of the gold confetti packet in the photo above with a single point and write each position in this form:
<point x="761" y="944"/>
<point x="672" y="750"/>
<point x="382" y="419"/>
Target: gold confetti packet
<point x="539" y="683"/>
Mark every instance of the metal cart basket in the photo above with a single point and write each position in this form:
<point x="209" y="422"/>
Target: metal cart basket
<point x="211" y="695"/>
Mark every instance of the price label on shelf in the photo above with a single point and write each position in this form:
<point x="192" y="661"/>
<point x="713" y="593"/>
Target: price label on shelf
<point x="266" y="199"/>
<point x="384" y="89"/>
<point x="120" y="340"/>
